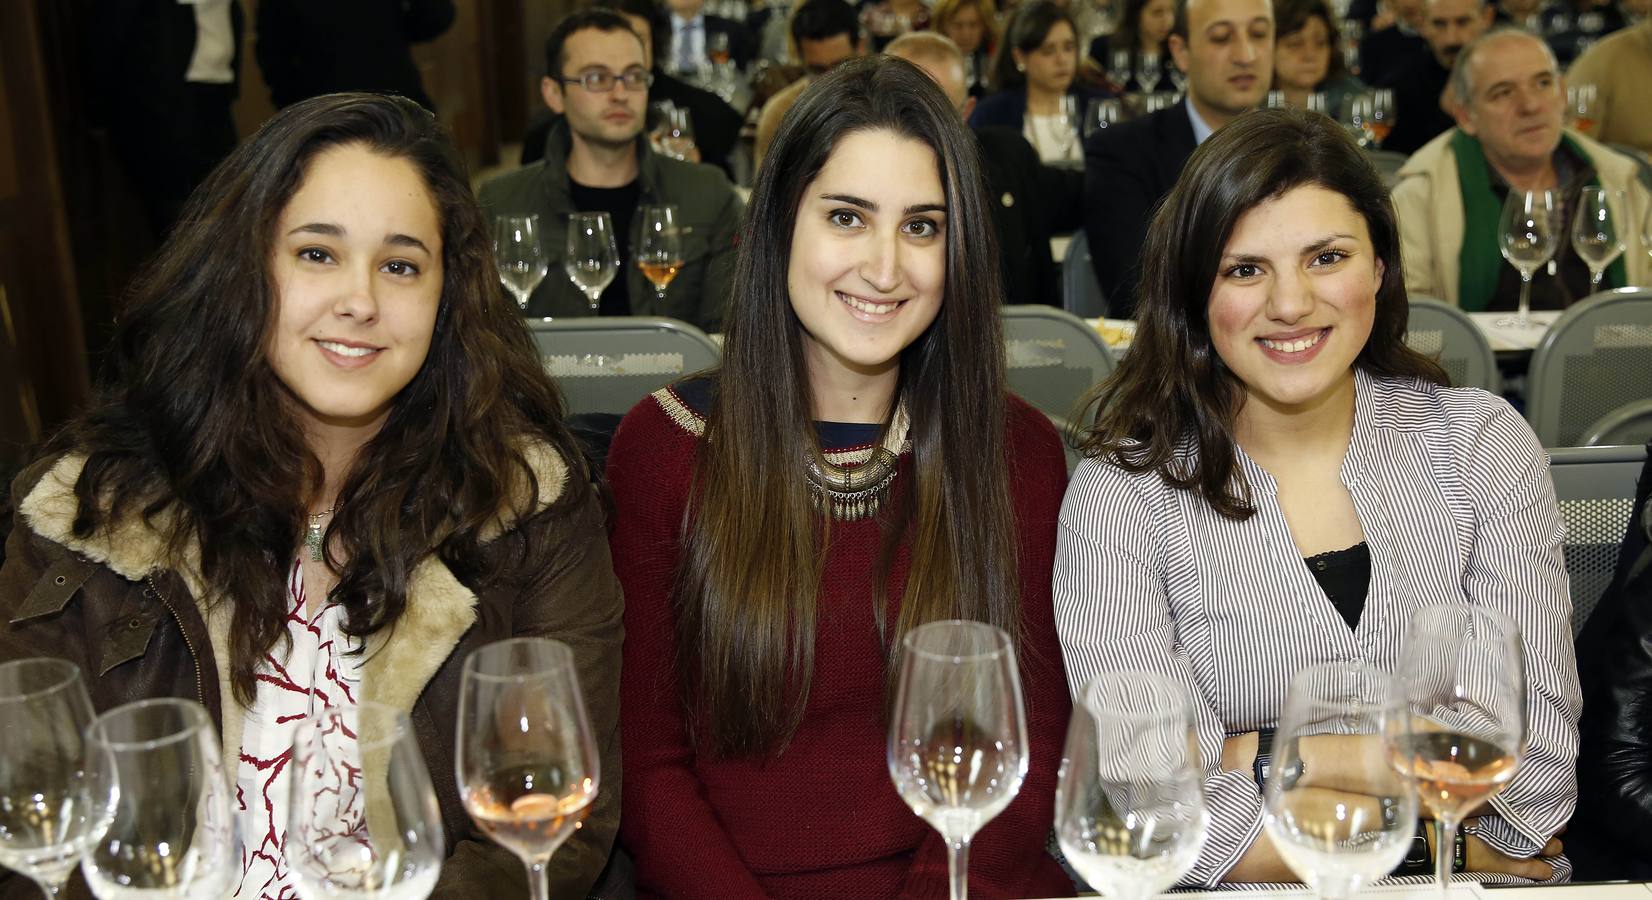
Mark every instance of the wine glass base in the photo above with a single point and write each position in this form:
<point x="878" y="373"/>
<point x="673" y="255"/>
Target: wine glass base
<point x="1516" y="321"/>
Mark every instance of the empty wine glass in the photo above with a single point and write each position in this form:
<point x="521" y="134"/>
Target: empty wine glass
<point x="1382" y="115"/>
<point x="1461" y="678"/>
<point x="1339" y="815"/>
<point x="1129" y="805"/>
<point x="519" y="255"/>
<point x="170" y="834"/>
<point x="1148" y="71"/>
<point x="1595" y="234"/>
<point x="1066" y="126"/>
<point x="1275" y="100"/>
<point x="659" y="246"/>
<point x="1102" y="113"/>
<point x="47" y="809"/>
<point x="1530" y="233"/>
<point x="1118" y="67"/>
<point x="362" y="819"/>
<point x="526" y="763"/>
<point x="1319" y="103"/>
<point x="677" y="141"/>
<point x="957" y="738"/>
<point x="592" y="259"/>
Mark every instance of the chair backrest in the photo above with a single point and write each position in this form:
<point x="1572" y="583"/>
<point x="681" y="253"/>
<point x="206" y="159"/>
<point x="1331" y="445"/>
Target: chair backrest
<point x="606" y="364"/>
<point x="1053" y="358"/>
<point x="1388" y="164"/>
<point x="1628" y="424"/>
<point x="1080" y="291"/>
<point x="1447" y="334"/>
<point x="1596" y="358"/>
<point x="1596" y="490"/>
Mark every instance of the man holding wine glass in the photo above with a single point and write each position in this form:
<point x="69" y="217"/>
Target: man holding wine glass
<point x="1510" y="140"/>
<point x="597" y="160"/>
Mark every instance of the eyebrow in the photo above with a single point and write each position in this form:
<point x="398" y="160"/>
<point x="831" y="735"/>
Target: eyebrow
<point x="869" y="206"/>
<point x="328" y="229"/>
<point x="1307" y="249"/>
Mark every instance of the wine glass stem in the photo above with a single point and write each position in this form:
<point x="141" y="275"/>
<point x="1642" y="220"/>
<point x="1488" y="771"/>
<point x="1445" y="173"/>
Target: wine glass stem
<point x="596" y="300"/>
<point x="50" y="889"/>
<point x="957" y="865"/>
<point x="1594" y="278"/>
<point x="1445" y="836"/>
<point x="539" y="884"/>
<point x="1525" y="297"/>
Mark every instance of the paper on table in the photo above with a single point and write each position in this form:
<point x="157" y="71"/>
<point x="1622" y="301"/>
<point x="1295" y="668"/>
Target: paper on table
<point x="1503" y="337"/>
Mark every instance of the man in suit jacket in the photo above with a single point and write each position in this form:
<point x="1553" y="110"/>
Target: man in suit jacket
<point x="1420" y="95"/>
<point x="689" y="33"/>
<point x="1029" y="200"/>
<point x="1226" y="49"/>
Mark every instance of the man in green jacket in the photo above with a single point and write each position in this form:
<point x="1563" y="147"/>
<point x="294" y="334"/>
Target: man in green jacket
<point x="597" y="159"/>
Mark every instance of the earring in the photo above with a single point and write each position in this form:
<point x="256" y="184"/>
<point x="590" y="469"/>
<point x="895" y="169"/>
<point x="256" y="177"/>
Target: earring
<point x="1020" y="67"/>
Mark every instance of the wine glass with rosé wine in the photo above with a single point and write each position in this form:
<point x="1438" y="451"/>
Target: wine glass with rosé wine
<point x="1461" y="678"/>
<point x="526" y="763"/>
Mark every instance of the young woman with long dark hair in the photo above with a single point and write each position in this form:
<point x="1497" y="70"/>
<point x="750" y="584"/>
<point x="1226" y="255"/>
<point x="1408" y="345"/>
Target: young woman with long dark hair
<point x="326" y="465"/>
<point x="854" y="468"/>
<point x="1276" y="480"/>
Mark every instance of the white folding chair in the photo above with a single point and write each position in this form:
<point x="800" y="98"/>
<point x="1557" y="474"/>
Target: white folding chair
<point x="1052" y="358"/>
<point x="1595" y="359"/>
<point x="1447" y="334"/>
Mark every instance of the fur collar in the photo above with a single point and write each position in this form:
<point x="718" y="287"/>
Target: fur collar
<point x="399" y="661"/>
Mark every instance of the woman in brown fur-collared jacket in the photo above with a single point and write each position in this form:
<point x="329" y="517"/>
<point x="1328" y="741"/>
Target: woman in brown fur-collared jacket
<point x="325" y="432"/>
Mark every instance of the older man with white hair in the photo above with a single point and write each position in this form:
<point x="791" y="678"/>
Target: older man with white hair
<point x="1509" y="136"/>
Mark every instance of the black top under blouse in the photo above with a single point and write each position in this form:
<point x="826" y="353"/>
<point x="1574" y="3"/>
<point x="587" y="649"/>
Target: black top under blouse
<point x="1345" y="577"/>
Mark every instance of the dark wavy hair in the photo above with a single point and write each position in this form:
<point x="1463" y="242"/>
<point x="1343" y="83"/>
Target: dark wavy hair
<point x="1029" y="25"/>
<point x="193" y="429"/>
<point x="1172" y="385"/>
<point x="754" y="543"/>
<point x="1128" y="35"/>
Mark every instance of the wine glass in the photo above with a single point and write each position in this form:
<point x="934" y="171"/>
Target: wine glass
<point x="1580" y="103"/>
<point x="1102" y="113"/>
<point x="1339" y="815"/>
<point x="1319" y="103"/>
<point x="1118" y="68"/>
<point x="659" y="246"/>
<point x="526" y="763"/>
<point x="592" y="259"/>
<point x="1275" y="100"/>
<point x="156" y="765"/>
<point x="1066" y="125"/>
<point x="1530" y="234"/>
<point x="1461" y="678"/>
<point x="717" y="48"/>
<point x="1595" y="230"/>
<point x="362" y="820"/>
<point x="47" y="809"/>
<point x="678" y="140"/>
<point x="1355" y="116"/>
<point x="1148" y="71"/>
<point x="957" y="738"/>
<point x="1178" y="79"/>
<point x="1382" y="115"/>
<point x="1129" y="805"/>
<point x="520" y="256"/>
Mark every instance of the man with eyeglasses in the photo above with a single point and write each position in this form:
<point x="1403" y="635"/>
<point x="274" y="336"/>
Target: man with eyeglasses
<point x="597" y="160"/>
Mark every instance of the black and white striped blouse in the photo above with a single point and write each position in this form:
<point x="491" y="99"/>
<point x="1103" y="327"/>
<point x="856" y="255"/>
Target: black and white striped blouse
<point x="1452" y="490"/>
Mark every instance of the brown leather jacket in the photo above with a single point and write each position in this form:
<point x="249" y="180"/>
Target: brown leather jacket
<point x="136" y="623"/>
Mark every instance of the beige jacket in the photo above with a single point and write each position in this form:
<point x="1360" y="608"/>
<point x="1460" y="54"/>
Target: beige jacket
<point x="1620" y="67"/>
<point x="1429" y="202"/>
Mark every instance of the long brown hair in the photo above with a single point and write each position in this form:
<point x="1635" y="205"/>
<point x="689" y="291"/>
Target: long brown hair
<point x="755" y="545"/>
<point x="1172" y="385"/>
<point x="194" y="431"/>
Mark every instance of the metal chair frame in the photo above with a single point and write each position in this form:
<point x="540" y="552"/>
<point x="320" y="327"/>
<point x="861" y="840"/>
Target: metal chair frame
<point x="588" y="357"/>
<point x="1557" y="407"/>
<point x="1595" y="487"/>
<point x="1461" y="340"/>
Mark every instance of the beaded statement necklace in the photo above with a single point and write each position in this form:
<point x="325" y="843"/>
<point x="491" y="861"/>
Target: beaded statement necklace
<point x="850" y="493"/>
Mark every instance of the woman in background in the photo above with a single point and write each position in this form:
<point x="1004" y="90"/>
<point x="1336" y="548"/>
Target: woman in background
<point x="1307" y="56"/>
<point x="1033" y="74"/>
<point x="327" y="466"/>
<point x="1144" y="28"/>
<point x="853" y="468"/>
<point x="1276" y="480"/>
<point x="973" y="26"/>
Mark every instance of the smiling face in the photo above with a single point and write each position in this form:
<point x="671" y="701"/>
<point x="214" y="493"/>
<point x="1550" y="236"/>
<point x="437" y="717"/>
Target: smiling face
<point x="1227" y="55"/>
<point x="356" y="263"/>
<point x="1050" y="66"/>
<point x="868" y="259"/>
<point x="1303" y="56"/>
<point x="1294" y="299"/>
<point x="610" y="118"/>
<point x="1516" y="105"/>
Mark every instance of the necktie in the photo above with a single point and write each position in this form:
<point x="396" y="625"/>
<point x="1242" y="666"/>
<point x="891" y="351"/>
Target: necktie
<point x="687" y="59"/>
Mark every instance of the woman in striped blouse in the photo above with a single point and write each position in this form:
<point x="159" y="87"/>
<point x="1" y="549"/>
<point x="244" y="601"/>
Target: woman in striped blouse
<point x="1275" y="480"/>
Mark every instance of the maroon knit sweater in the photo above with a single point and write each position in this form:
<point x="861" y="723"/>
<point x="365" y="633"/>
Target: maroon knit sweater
<point x="821" y="820"/>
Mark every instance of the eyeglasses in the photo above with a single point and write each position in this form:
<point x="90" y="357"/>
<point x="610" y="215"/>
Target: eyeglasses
<point x="601" y="81"/>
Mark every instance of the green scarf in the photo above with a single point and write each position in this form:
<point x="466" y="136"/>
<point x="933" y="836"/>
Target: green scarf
<point x="1480" y="261"/>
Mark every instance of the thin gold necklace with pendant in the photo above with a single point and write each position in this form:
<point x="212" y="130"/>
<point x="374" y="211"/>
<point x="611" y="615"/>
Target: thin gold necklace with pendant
<point x="312" y="534"/>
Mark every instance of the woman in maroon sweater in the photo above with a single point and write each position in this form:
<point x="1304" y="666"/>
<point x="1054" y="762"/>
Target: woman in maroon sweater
<point x="853" y="469"/>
